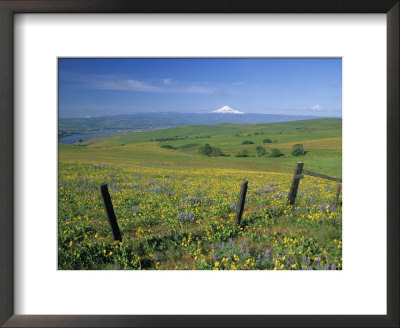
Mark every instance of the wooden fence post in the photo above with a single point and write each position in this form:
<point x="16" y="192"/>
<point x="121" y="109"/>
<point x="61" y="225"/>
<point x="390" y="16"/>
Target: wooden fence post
<point x="242" y="199"/>
<point x="338" y="190"/>
<point x="295" y="183"/>
<point x="110" y="212"/>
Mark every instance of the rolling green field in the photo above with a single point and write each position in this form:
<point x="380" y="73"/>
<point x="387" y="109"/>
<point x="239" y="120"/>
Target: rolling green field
<point x="322" y="139"/>
<point x="176" y="207"/>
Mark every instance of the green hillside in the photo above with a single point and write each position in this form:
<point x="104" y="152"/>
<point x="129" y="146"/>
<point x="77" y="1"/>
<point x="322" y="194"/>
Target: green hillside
<point x="321" y="139"/>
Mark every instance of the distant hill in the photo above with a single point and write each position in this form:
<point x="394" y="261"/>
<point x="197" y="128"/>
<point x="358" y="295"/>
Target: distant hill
<point x="152" y="121"/>
<point x="179" y="147"/>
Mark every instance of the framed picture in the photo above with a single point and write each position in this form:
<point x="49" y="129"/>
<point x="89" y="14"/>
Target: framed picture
<point x="165" y="144"/>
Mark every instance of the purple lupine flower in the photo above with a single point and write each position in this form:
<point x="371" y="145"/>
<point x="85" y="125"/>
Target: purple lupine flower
<point x="185" y="216"/>
<point x="267" y="252"/>
<point x="333" y="267"/>
<point x="241" y="250"/>
<point x="66" y="219"/>
<point x="310" y="268"/>
<point x="318" y="259"/>
<point x="244" y="241"/>
<point x="157" y="190"/>
<point x="259" y="256"/>
<point x="327" y="267"/>
<point x="151" y="182"/>
<point x="261" y="206"/>
<point x="303" y="268"/>
<point x="304" y="258"/>
<point x="233" y="244"/>
<point x="290" y="262"/>
<point x="230" y="241"/>
<point x="229" y="257"/>
<point x="223" y="245"/>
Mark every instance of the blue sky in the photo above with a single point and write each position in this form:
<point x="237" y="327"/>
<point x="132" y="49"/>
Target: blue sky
<point x="111" y="86"/>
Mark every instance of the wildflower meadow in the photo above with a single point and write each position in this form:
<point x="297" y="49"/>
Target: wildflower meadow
<point x="183" y="219"/>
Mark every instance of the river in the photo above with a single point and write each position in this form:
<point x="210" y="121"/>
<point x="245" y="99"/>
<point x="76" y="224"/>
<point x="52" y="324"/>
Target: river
<point x="75" y="137"/>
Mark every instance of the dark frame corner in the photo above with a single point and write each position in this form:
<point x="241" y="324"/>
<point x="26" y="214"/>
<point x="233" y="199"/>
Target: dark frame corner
<point x="7" y="10"/>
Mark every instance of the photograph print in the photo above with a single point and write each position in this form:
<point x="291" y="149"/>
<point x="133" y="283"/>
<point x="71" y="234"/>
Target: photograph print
<point x="200" y="164"/>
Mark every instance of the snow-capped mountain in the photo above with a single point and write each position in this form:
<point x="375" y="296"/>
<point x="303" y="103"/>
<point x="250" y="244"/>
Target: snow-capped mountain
<point x="227" y="109"/>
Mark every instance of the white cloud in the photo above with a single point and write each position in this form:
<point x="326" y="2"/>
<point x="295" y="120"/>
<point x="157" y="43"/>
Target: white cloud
<point x="163" y="86"/>
<point x="133" y="85"/>
<point x="238" y="83"/>
<point x="317" y="107"/>
<point x="168" y="81"/>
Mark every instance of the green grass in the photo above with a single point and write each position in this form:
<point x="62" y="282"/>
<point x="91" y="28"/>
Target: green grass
<point x="321" y="139"/>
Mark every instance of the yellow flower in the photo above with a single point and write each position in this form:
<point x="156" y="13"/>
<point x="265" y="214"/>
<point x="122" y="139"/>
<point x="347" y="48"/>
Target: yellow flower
<point x="109" y="254"/>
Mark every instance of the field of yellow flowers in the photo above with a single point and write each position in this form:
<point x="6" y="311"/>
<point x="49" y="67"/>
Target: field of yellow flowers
<point x="183" y="219"/>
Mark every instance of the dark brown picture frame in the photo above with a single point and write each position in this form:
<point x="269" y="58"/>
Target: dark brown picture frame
<point x="10" y="7"/>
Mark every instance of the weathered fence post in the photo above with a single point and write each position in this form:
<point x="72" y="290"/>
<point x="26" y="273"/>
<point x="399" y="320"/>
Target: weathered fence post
<point x="110" y="212"/>
<point x="242" y="199"/>
<point x="338" y="190"/>
<point x="295" y="183"/>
